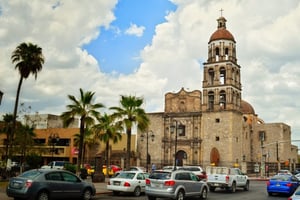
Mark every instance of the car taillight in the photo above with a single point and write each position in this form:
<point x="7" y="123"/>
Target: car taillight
<point x="289" y="184"/>
<point x="169" y="183"/>
<point x="126" y="184"/>
<point x="227" y="179"/>
<point x="147" y="182"/>
<point x="28" y="183"/>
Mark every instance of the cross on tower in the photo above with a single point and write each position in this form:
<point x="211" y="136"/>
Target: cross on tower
<point x="221" y="12"/>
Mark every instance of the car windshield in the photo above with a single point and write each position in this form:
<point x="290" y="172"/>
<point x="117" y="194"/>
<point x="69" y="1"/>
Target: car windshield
<point x="126" y="175"/>
<point x="31" y="174"/>
<point x="160" y="175"/>
<point x="281" y="178"/>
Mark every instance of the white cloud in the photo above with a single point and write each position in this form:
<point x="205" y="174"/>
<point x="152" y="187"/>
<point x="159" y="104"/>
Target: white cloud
<point x="267" y="50"/>
<point x="135" y="30"/>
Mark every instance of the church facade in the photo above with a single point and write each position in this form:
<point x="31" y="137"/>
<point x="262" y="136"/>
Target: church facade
<point x="216" y="126"/>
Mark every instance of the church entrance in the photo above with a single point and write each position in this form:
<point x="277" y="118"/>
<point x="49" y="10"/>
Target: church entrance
<point x="180" y="155"/>
<point x="214" y="157"/>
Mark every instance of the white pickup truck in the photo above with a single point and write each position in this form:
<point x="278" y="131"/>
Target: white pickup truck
<point x="226" y="178"/>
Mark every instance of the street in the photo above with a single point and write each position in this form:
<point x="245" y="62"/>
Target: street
<point x="257" y="191"/>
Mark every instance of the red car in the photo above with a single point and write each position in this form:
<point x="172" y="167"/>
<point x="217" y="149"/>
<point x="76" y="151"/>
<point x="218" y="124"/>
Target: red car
<point x="115" y="168"/>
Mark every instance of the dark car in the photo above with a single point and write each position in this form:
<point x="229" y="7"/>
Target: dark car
<point x="282" y="183"/>
<point x="44" y="184"/>
<point x="178" y="184"/>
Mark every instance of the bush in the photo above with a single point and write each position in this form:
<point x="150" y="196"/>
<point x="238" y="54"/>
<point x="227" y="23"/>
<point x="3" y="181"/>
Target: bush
<point x="71" y="168"/>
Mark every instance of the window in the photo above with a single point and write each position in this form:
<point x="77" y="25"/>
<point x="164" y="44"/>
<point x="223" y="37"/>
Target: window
<point x="217" y="138"/>
<point x="222" y="99"/>
<point x="222" y="76"/>
<point x="211" y="76"/>
<point x="211" y="98"/>
<point x="217" y="120"/>
<point x="181" y="130"/>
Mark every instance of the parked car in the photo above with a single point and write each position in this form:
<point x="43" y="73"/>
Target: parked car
<point x="282" y="183"/>
<point x="115" y="168"/>
<point x="284" y="171"/>
<point x="171" y="167"/>
<point x="136" y="168"/>
<point x="196" y="170"/>
<point x="56" y="165"/>
<point x="177" y="184"/>
<point x="128" y="182"/>
<point x="295" y="195"/>
<point x="41" y="184"/>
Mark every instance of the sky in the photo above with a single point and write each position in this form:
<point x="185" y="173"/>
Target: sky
<point x="147" y="48"/>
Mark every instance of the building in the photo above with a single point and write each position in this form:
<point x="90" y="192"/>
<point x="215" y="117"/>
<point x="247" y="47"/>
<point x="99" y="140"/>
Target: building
<point x="216" y="126"/>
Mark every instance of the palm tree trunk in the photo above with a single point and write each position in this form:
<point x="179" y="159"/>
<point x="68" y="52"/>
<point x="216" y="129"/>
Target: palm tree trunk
<point x="81" y="137"/>
<point x="14" y="118"/>
<point x="128" y="148"/>
<point x="107" y="159"/>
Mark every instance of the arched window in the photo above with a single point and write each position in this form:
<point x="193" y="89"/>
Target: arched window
<point x="211" y="98"/>
<point x="222" y="76"/>
<point x="226" y="53"/>
<point x="211" y="76"/>
<point x="222" y="100"/>
<point x="217" y="53"/>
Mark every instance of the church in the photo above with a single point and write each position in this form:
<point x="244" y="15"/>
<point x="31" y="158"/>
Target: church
<point x="216" y="126"/>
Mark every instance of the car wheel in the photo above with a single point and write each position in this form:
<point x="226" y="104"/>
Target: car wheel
<point x="151" y="198"/>
<point x="204" y="193"/>
<point x="137" y="192"/>
<point x="233" y="187"/>
<point x="246" y="188"/>
<point x="43" y="195"/>
<point x="212" y="189"/>
<point x="180" y="195"/>
<point x="87" y="194"/>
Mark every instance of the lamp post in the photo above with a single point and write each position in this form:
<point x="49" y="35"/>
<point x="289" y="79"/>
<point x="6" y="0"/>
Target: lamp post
<point x="148" y="134"/>
<point x="179" y="129"/>
<point x="53" y="140"/>
<point x="1" y="95"/>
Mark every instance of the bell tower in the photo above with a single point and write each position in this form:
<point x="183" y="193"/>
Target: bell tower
<point x="222" y="80"/>
<point x="221" y="114"/>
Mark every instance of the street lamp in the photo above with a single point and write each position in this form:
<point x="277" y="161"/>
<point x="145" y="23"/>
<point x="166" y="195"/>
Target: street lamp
<point x="53" y="140"/>
<point x="1" y="95"/>
<point x="148" y="134"/>
<point x="178" y="129"/>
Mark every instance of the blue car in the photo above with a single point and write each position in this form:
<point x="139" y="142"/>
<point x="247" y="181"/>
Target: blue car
<point x="283" y="184"/>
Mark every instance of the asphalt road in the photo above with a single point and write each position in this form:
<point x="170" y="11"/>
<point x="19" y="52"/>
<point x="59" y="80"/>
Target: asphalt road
<point x="257" y="191"/>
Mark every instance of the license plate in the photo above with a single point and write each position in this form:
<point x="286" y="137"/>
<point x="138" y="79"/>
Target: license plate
<point x="116" y="183"/>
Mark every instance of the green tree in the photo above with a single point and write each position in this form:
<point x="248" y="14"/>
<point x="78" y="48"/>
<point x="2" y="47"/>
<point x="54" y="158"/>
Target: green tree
<point x="29" y="59"/>
<point x="108" y="129"/>
<point x="89" y="140"/>
<point x="87" y="113"/>
<point x="7" y="129"/>
<point x="131" y="113"/>
<point x="24" y="141"/>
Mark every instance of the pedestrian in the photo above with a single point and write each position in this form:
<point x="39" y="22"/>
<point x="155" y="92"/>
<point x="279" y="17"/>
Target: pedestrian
<point x="153" y="168"/>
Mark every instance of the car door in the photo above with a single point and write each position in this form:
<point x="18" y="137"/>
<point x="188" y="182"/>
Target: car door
<point x="141" y="181"/>
<point x="72" y="185"/>
<point x="55" y="184"/>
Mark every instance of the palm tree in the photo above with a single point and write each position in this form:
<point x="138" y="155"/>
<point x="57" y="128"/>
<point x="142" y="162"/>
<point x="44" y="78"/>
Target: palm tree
<point x="29" y="59"/>
<point x="86" y="111"/>
<point x="108" y="129"/>
<point x="89" y="140"/>
<point x="131" y="113"/>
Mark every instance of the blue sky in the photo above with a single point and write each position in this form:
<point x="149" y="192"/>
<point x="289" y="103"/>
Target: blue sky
<point x="149" y="48"/>
<point x="116" y="49"/>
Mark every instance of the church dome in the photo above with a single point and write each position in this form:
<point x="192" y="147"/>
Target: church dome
<point x="222" y="33"/>
<point x="246" y="108"/>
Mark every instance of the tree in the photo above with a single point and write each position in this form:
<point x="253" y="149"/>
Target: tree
<point x="131" y="113"/>
<point x="29" y="59"/>
<point x="108" y="129"/>
<point x="87" y="113"/>
<point x="8" y="121"/>
<point x="24" y="141"/>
